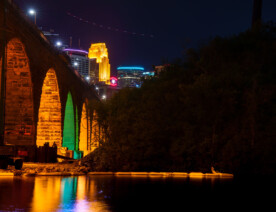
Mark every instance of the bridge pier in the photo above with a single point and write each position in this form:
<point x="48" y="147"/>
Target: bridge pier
<point x="46" y="101"/>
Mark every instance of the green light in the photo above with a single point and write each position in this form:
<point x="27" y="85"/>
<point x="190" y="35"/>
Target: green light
<point x="77" y="130"/>
<point x="69" y="125"/>
<point x="69" y="190"/>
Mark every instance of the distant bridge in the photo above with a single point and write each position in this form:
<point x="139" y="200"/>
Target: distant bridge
<point x="42" y="98"/>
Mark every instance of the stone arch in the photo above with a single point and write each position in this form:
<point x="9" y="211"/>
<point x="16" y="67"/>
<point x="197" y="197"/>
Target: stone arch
<point x="96" y="134"/>
<point x="84" y="125"/>
<point x="69" y="134"/>
<point x="19" y="110"/>
<point x="77" y="129"/>
<point x="49" y="115"/>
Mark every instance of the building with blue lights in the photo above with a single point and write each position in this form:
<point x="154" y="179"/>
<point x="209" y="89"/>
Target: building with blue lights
<point x="130" y="76"/>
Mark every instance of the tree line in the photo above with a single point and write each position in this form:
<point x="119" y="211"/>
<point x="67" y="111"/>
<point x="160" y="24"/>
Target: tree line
<point x="213" y="107"/>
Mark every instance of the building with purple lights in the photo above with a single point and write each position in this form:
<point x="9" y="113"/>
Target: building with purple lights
<point x="79" y="61"/>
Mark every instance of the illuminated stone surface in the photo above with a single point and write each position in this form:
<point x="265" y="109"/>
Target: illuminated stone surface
<point x="99" y="52"/>
<point x="96" y="132"/>
<point x="34" y="97"/>
<point x="83" y="131"/>
<point x="69" y="125"/>
<point x="19" y="121"/>
<point x="49" y="116"/>
<point x="89" y="132"/>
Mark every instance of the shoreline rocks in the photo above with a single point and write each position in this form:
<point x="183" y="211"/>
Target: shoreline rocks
<point x="76" y="169"/>
<point x="46" y="169"/>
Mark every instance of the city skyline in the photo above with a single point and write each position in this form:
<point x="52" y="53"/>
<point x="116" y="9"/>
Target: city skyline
<point x="75" y="138"/>
<point x="158" y="31"/>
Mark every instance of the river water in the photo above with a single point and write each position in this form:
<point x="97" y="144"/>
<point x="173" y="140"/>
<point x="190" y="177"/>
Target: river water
<point x="109" y="193"/>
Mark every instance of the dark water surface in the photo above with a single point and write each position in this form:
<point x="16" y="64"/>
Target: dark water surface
<point x="108" y="193"/>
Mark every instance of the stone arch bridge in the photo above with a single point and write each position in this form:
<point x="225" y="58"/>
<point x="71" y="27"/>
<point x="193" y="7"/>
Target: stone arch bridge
<point x="43" y="99"/>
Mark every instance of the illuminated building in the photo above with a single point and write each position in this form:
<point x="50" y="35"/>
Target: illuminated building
<point x="94" y="71"/>
<point x="99" y="52"/>
<point x="80" y="61"/>
<point x="130" y="76"/>
<point x="107" y="91"/>
<point x="105" y="85"/>
<point x="148" y="74"/>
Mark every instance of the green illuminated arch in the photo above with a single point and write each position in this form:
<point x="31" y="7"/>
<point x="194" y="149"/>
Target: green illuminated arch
<point x="69" y="125"/>
<point x="77" y="130"/>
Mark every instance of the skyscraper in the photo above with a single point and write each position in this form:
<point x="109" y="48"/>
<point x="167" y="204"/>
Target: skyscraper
<point x="99" y="52"/>
<point x="79" y="61"/>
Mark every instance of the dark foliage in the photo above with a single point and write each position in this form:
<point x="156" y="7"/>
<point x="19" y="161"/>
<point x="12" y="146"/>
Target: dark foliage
<point x="216" y="108"/>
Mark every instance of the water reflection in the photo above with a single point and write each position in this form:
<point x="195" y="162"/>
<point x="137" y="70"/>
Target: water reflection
<point x="46" y="194"/>
<point x="99" y="193"/>
<point x="66" y="194"/>
<point x="15" y="193"/>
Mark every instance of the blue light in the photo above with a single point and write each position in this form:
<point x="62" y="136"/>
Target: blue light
<point x="148" y="73"/>
<point x="130" y="68"/>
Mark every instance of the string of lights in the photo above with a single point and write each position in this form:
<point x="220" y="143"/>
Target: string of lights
<point x="110" y="28"/>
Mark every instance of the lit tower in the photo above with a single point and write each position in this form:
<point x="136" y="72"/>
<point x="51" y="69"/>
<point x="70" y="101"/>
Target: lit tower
<point x="99" y="52"/>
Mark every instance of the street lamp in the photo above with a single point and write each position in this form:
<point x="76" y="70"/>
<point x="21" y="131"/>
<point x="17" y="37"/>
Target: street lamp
<point x="33" y="12"/>
<point x="58" y="44"/>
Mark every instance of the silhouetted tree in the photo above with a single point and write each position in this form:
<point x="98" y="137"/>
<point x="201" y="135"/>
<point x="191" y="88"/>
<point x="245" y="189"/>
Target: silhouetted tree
<point x="215" y="108"/>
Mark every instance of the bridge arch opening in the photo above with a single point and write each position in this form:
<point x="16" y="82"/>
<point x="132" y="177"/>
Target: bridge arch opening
<point x="97" y="134"/>
<point x="83" y="139"/>
<point x="19" y="112"/>
<point x="49" y="115"/>
<point x="69" y="134"/>
<point x="77" y="130"/>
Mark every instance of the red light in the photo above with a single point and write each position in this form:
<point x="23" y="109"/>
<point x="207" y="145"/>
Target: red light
<point x="113" y="81"/>
<point x="22" y="153"/>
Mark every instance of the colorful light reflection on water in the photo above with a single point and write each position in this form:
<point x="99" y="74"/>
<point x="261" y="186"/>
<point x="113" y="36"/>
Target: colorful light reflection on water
<point x="50" y="194"/>
<point x="116" y="194"/>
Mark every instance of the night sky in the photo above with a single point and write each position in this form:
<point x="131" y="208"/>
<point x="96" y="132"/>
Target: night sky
<point x="169" y="27"/>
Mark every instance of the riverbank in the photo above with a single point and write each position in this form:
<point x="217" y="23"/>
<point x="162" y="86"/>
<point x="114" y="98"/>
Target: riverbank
<point x="46" y="169"/>
<point x="75" y="169"/>
<point x="165" y="174"/>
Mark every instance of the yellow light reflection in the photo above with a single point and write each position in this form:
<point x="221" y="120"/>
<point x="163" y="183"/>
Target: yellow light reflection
<point x="46" y="195"/>
<point x="67" y="194"/>
<point x="87" y="189"/>
<point x="99" y="52"/>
